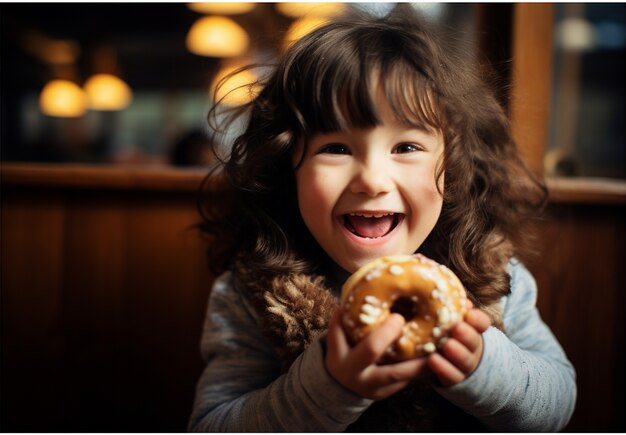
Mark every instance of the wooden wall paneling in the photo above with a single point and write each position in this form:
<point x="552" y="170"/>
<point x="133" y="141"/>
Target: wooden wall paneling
<point x="598" y="273"/>
<point x="104" y="291"/>
<point x="617" y="375"/>
<point x="103" y="296"/>
<point x="33" y="344"/>
<point x="581" y="278"/>
<point x="163" y="291"/>
<point x="95" y="264"/>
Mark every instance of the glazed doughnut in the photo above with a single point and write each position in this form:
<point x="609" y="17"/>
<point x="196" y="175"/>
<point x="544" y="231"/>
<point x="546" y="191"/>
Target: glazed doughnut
<point x="427" y="294"/>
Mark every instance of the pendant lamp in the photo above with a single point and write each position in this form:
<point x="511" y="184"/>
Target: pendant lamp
<point x="303" y="26"/>
<point x="300" y="9"/>
<point x="234" y="89"/>
<point x="222" y="8"/>
<point x="63" y="98"/>
<point x="107" y="92"/>
<point x="217" y="36"/>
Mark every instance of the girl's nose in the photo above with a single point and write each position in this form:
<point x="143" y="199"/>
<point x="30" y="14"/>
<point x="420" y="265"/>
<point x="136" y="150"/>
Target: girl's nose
<point x="372" y="180"/>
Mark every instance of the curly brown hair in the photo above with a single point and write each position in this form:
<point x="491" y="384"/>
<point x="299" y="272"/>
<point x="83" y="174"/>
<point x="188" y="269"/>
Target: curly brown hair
<point x="323" y="83"/>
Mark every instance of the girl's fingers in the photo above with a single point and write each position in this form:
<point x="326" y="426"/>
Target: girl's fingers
<point x="401" y="372"/>
<point x="370" y="349"/>
<point x="447" y="373"/>
<point x="388" y="379"/>
<point x="459" y="356"/>
<point x="478" y="320"/>
<point x="467" y="336"/>
<point x="357" y="367"/>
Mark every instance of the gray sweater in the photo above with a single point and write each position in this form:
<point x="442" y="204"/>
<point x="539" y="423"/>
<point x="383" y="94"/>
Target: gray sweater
<point x="524" y="381"/>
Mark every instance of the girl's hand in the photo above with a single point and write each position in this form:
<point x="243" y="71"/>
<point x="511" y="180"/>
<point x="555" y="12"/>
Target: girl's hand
<point x="356" y="367"/>
<point x="461" y="352"/>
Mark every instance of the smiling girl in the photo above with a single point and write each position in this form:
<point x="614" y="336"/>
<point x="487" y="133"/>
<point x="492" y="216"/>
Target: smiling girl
<point x="372" y="191"/>
<point x="371" y="139"/>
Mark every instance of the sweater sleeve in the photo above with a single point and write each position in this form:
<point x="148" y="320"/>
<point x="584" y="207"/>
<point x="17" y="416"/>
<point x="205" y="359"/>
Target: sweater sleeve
<point x="241" y="388"/>
<point x="524" y="381"/>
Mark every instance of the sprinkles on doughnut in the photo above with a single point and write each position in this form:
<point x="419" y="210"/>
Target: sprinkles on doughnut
<point x="427" y="294"/>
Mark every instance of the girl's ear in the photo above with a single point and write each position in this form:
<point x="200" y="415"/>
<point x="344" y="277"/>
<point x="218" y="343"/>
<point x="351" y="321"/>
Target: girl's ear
<point x="440" y="170"/>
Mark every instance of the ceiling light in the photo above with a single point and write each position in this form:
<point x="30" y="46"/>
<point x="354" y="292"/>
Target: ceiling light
<point x="107" y="92"/>
<point x="297" y="9"/>
<point x="62" y="98"/>
<point x="216" y="36"/>
<point x="302" y="27"/>
<point x="236" y="89"/>
<point x="222" y="8"/>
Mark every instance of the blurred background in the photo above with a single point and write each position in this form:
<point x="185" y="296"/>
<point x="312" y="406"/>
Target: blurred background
<point x="138" y="85"/>
<point x="139" y="79"/>
<point x="103" y="145"/>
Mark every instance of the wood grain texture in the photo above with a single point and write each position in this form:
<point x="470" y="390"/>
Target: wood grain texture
<point x="531" y="79"/>
<point x="103" y="297"/>
<point x="104" y="291"/>
<point x="581" y="278"/>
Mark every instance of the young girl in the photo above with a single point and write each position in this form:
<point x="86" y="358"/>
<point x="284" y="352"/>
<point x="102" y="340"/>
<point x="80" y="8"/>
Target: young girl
<point x="369" y="139"/>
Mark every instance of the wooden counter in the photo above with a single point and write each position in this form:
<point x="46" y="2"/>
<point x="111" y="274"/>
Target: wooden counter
<point x="164" y="178"/>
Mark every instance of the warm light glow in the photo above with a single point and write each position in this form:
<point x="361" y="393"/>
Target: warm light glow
<point x="107" y="92"/>
<point x="53" y="51"/>
<point x="216" y="36"/>
<point x="62" y="98"/>
<point x="302" y="27"/>
<point x="237" y="89"/>
<point x="296" y="9"/>
<point x="222" y="8"/>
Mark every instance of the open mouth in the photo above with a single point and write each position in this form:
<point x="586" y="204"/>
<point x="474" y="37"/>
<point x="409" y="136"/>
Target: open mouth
<point x="371" y="226"/>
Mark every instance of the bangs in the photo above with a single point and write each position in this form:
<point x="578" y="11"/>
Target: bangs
<point x="412" y="98"/>
<point x="334" y="87"/>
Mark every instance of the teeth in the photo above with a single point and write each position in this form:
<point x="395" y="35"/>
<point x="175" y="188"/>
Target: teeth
<point x="367" y="215"/>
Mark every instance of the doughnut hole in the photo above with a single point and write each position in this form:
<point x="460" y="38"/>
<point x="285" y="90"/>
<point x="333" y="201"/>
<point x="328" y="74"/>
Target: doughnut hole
<point x="405" y="307"/>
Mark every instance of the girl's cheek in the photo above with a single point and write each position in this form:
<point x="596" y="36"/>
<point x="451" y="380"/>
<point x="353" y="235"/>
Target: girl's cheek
<point x="431" y="183"/>
<point x="315" y="189"/>
<point x="313" y="197"/>
<point x="424" y="179"/>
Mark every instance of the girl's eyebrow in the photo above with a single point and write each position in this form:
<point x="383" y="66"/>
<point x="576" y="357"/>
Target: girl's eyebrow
<point x="426" y="129"/>
<point x="418" y="125"/>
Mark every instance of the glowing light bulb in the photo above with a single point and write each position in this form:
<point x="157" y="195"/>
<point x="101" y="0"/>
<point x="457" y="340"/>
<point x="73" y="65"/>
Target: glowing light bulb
<point x="107" y="92"/>
<point x="302" y="27"/>
<point x="300" y="9"/>
<point x="236" y="89"/>
<point x="62" y="98"/>
<point x="216" y="36"/>
<point x="222" y="8"/>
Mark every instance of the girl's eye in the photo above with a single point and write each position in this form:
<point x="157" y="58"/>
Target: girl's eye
<point x="404" y="148"/>
<point x="334" y="148"/>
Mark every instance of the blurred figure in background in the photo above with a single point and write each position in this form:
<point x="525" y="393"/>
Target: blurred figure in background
<point x="191" y="149"/>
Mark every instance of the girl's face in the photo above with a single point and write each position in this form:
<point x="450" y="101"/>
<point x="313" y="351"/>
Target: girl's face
<point x="366" y="193"/>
